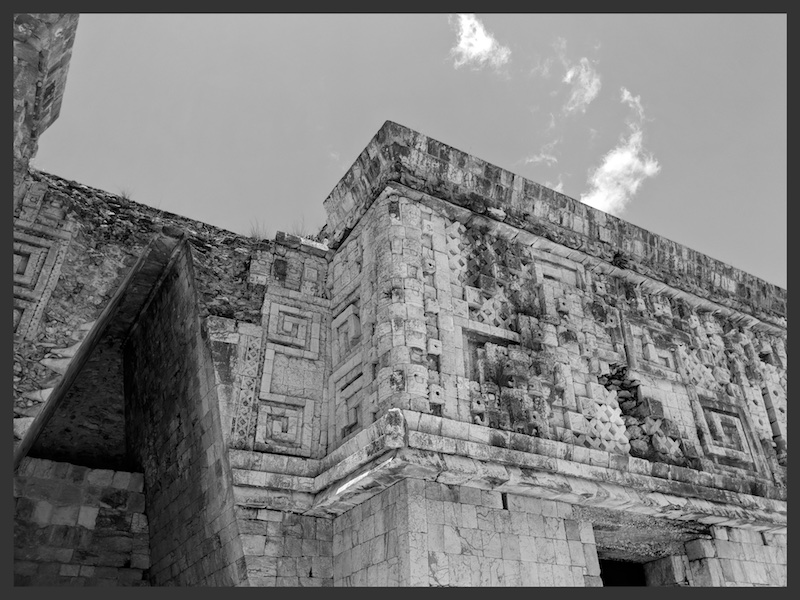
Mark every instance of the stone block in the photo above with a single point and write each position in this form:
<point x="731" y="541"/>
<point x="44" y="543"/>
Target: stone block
<point x="69" y="570"/>
<point x="546" y="578"/>
<point x="100" y="477"/>
<point x="509" y="546"/>
<point x="562" y="576"/>
<point x="519" y="523"/>
<point x="42" y="512"/>
<point x="470" y="495"/>
<point x="65" y="515"/>
<point x="592" y="562"/>
<point x="469" y="516"/>
<point x="253" y="544"/>
<point x="87" y="516"/>
<point x="536" y="525"/>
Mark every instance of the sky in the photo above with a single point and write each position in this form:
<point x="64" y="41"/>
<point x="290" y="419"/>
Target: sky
<point x="676" y="123"/>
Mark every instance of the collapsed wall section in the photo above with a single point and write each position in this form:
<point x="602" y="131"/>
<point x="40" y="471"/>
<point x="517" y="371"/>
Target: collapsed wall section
<point x="174" y="432"/>
<point x="79" y="526"/>
<point x="73" y="248"/>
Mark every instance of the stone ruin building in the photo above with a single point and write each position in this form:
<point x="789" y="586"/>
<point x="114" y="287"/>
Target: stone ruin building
<point x="476" y="381"/>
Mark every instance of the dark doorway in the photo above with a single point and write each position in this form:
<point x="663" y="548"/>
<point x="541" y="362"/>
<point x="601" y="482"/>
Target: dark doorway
<point x="617" y="572"/>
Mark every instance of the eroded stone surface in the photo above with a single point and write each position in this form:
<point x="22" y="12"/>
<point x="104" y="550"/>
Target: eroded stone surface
<point x="79" y="526"/>
<point x="465" y="379"/>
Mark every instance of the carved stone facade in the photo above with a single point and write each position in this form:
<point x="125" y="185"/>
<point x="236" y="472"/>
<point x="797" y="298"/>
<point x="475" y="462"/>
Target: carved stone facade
<point x="473" y="381"/>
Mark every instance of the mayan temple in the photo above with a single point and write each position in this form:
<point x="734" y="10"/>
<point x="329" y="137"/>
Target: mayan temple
<point x="468" y="379"/>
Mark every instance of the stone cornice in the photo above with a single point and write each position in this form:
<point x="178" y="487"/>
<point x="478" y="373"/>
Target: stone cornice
<point x="402" y="155"/>
<point x="408" y="444"/>
<point x="645" y="282"/>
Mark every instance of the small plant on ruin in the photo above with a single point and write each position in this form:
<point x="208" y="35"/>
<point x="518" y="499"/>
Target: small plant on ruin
<point x="258" y="230"/>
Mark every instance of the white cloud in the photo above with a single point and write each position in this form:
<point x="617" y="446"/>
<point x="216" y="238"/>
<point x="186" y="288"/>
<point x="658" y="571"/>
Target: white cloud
<point x="476" y="46"/>
<point x="634" y="102"/>
<point x="582" y="76"/>
<point x="585" y="83"/>
<point x="542" y="67"/>
<point x="545" y="154"/>
<point x="617" y="180"/>
<point x="542" y="157"/>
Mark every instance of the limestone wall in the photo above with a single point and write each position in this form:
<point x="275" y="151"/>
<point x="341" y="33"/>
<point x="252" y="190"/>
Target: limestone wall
<point x="174" y="432"/>
<point x="484" y="538"/>
<point x="733" y="558"/>
<point x="478" y="381"/>
<point x="738" y="558"/>
<point x="399" y="154"/>
<point x="79" y="526"/>
<point x="430" y="534"/>
<point x="286" y="549"/>
<point x="476" y="325"/>
<point x="73" y="247"/>
<point x="373" y="542"/>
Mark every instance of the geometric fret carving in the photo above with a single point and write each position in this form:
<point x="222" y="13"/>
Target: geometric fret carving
<point x="246" y="386"/>
<point x="41" y="238"/>
<point x="285" y="427"/>
<point x="285" y="398"/>
<point x="296" y="329"/>
<point x="727" y="441"/>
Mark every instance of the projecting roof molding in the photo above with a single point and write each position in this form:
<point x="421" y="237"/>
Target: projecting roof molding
<point x="401" y="155"/>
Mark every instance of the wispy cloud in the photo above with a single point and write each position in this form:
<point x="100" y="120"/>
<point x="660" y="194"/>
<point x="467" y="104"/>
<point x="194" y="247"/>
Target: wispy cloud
<point x="542" y="67"/>
<point x="581" y="76"/>
<point x="615" y="182"/>
<point x="558" y="187"/>
<point x="476" y="47"/>
<point x="585" y="82"/>
<point x="635" y="103"/>
<point x="545" y="154"/>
